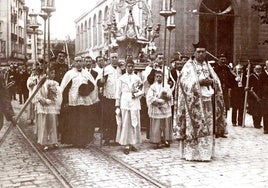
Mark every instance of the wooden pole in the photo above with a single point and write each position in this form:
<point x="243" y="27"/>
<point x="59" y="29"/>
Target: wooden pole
<point x="39" y="85"/>
<point x="165" y="37"/>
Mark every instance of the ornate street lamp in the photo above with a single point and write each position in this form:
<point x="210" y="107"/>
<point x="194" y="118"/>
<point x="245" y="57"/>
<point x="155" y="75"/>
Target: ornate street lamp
<point x="44" y="15"/>
<point x="48" y="6"/>
<point x="170" y="26"/>
<point x="165" y="12"/>
<point x="34" y="25"/>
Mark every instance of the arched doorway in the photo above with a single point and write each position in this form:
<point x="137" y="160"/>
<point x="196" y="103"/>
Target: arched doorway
<point x="216" y="26"/>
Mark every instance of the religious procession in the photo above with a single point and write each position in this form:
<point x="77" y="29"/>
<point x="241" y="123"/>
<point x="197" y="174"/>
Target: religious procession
<point x="181" y="99"/>
<point x="185" y="103"/>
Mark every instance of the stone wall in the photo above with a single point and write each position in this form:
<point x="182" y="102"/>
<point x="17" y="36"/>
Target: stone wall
<point x="248" y="33"/>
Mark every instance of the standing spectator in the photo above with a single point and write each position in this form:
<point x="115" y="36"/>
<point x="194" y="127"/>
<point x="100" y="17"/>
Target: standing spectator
<point x="76" y="86"/>
<point x="48" y="102"/>
<point x="61" y="67"/>
<point x="195" y="107"/>
<point x="5" y="104"/>
<point x="238" y="96"/>
<point x="128" y="92"/>
<point x="264" y="97"/>
<point x="227" y="79"/>
<point x="159" y="101"/>
<point x="22" y="85"/>
<point x="31" y="83"/>
<point x="111" y="73"/>
<point x="11" y="80"/>
<point x="254" y="97"/>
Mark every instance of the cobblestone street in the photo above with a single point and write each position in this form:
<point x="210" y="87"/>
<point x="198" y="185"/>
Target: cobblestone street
<point x="241" y="161"/>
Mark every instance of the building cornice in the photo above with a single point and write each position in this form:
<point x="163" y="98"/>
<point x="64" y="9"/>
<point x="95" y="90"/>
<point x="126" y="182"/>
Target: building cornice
<point x="88" y="12"/>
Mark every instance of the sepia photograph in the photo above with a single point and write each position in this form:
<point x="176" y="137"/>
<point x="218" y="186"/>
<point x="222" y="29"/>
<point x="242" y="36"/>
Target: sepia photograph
<point x="133" y="93"/>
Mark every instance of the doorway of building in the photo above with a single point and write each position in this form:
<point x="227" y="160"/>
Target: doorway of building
<point x="216" y="26"/>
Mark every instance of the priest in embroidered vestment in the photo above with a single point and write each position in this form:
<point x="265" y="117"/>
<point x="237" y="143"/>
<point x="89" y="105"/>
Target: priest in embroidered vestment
<point x="198" y="84"/>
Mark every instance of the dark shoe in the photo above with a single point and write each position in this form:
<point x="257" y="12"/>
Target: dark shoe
<point x="224" y="136"/>
<point x="157" y="146"/>
<point x="217" y="136"/>
<point x="114" y="144"/>
<point x="106" y="143"/>
<point x="126" y="151"/>
<point x="132" y="148"/>
<point x="234" y="125"/>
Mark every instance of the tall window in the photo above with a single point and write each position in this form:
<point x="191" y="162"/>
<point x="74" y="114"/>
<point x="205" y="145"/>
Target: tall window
<point x="82" y="37"/>
<point x="100" y="21"/>
<point x="216" y="26"/>
<point x="94" y="31"/>
<point x="86" y="35"/>
<point x="89" y="33"/>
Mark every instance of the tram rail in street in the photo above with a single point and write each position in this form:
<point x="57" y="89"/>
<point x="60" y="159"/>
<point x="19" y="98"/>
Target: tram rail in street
<point x="48" y="157"/>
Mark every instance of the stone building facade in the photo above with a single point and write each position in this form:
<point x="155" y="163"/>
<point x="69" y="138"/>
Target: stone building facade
<point x="227" y="26"/>
<point x="13" y="44"/>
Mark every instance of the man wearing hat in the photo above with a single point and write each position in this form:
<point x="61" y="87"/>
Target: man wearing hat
<point x="198" y="83"/>
<point x="227" y="79"/>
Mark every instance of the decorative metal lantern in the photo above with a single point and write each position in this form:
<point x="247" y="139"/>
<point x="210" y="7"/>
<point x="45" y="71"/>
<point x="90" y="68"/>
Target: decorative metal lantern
<point x="48" y="5"/>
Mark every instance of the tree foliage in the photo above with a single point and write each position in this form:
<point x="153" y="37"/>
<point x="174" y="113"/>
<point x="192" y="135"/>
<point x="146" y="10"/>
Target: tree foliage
<point x="261" y="6"/>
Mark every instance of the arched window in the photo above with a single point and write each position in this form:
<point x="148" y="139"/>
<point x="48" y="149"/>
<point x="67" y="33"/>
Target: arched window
<point x="100" y="21"/>
<point x="81" y="37"/>
<point x="85" y="36"/>
<point x="94" y="31"/>
<point x="77" y="39"/>
<point x="89" y="33"/>
<point x="105" y="14"/>
<point x="216" y="26"/>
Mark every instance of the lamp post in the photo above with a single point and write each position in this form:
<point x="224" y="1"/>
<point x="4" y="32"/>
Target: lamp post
<point x="48" y="6"/>
<point x="170" y="26"/>
<point x="34" y="25"/>
<point x="43" y="15"/>
<point x="165" y="12"/>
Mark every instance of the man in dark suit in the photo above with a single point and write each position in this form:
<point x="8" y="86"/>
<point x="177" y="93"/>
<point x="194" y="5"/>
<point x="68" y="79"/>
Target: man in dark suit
<point x="178" y="64"/>
<point x="238" y="96"/>
<point x="5" y="104"/>
<point x="254" y="100"/>
<point x="61" y="66"/>
<point x="264" y="97"/>
<point x="226" y="77"/>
